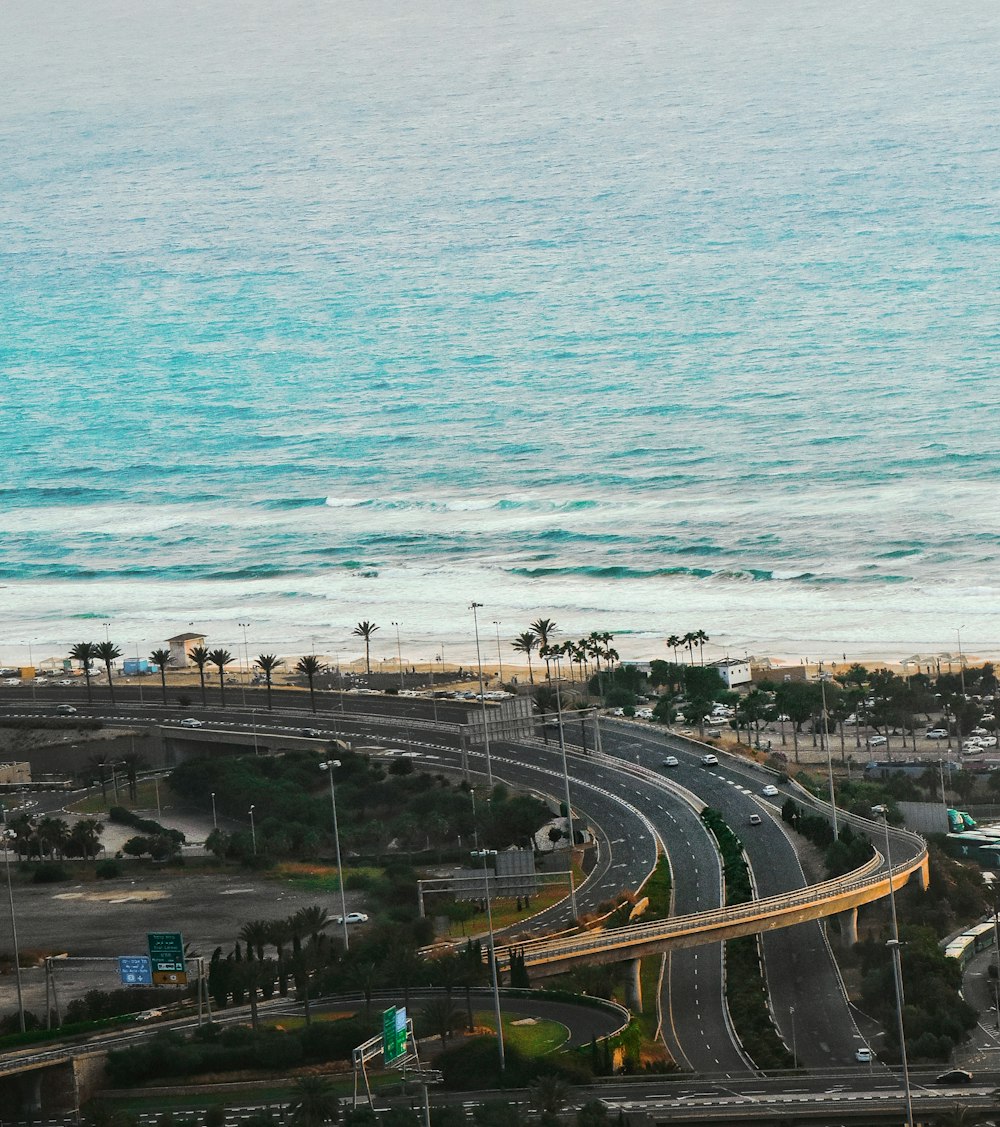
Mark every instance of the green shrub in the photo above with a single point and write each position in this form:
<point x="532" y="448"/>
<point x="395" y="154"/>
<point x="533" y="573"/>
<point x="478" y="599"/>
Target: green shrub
<point x="49" y="872"/>
<point x="108" y="869"/>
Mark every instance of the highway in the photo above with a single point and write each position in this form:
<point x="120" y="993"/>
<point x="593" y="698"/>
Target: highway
<point x="636" y="814"/>
<point x="802" y="973"/>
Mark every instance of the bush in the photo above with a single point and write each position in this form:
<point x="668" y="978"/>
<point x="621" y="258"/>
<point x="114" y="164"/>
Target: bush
<point x="49" y="872"/>
<point x="108" y="870"/>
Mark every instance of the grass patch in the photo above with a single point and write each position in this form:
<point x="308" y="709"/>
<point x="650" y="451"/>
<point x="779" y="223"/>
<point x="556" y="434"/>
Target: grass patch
<point x="145" y="798"/>
<point x="322" y="878"/>
<point x="532" y="1040"/>
<point x="658" y="888"/>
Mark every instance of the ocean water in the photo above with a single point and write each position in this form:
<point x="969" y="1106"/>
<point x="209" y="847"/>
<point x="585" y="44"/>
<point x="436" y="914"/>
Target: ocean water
<point x="649" y="318"/>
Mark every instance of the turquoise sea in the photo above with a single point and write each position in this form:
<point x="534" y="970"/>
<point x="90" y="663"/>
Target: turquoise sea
<point x="650" y="318"/>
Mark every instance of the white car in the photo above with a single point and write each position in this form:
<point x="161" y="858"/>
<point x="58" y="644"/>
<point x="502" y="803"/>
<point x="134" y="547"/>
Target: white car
<point x="770" y="791"/>
<point x="353" y="918"/>
<point x="671" y="761"/>
<point x="937" y="734"/>
<point x="191" y="722"/>
<point x="708" y="761"/>
<point x="863" y="1056"/>
<point x="877" y="741"/>
<point x="65" y="709"/>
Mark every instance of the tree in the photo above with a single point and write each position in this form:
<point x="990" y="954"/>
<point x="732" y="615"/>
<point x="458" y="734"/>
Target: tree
<point x="525" y="644"/>
<point x="85" y="837"/>
<point x="268" y="663"/>
<point x="108" y="652"/>
<point x="201" y="657"/>
<point x="53" y="836"/>
<point x="314" y="1102"/>
<point x="550" y="1094"/>
<point x="365" y="629"/>
<point x="543" y="629"/>
<point x="699" y="637"/>
<point x="441" y="1016"/>
<point x="310" y="667"/>
<point x="85" y="653"/>
<point x="674" y="643"/>
<point x="689" y="641"/>
<point x="161" y="658"/>
<point x="220" y="659"/>
<point x="797" y="701"/>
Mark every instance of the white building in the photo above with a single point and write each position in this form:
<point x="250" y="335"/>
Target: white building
<point x="734" y="672"/>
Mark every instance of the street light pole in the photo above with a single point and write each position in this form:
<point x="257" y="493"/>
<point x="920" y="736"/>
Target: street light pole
<point x="961" y="659"/>
<point x="246" y="661"/>
<point x="795" y="1055"/>
<point x="329" y="766"/>
<point x="825" y="737"/>
<point x="493" y="950"/>
<point x="253" y="832"/>
<point x="496" y="623"/>
<point x="399" y="657"/>
<point x="482" y="695"/>
<point x="565" y="767"/>
<point x="215" y="819"/>
<point x="897" y="968"/>
<point x="13" y="924"/>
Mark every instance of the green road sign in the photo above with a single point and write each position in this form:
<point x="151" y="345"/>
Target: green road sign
<point x="393" y="1034"/>
<point x="166" y="954"/>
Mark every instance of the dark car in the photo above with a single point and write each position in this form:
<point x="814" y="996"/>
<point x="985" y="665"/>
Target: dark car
<point x="954" y="1076"/>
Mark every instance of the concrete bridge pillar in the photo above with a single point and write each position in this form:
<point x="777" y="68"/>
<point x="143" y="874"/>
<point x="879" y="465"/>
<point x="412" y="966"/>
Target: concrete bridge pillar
<point x="31" y="1092"/>
<point x="848" y="927"/>
<point x="633" y="986"/>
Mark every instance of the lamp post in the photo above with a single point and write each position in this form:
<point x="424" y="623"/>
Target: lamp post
<point x="482" y="695"/>
<point x="996" y="940"/>
<point x="215" y="818"/>
<point x="13" y="922"/>
<point x="246" y="661"/>
<point x="795" y="1055"/>
<point x="399" y="656"/>
<point x="482" y="853"/>
<point x="897" y="967"/>
<point x="328" y="766"/>
<point x="253" y="832"/>
<point x="107" y="631"/>
<point x="496" y="623"/>
<point x="961" y="659"/>
<point x="253" y="721"/>
<point x="34" y="679"/>
<point x="825" y="737"/>
<point x="565" y="767"/>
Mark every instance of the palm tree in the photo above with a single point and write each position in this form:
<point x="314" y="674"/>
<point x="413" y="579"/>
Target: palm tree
<point x="84" y="653"/>
<point x="53" y="834"/>
<point x="310" y="667"/>
<point x="255" y="933"/>
<point x="365" y="630"/>
<point x="700" y="638"/>
<point x="108" y="652"/>
<point x="279" y="934"/>
<point x="268" y="663"/>
<point x="161" y="659"/>
<point x="311" y="921"/>
<point x="442" y="1016"/>
<point x="200" y="656"/>
<point x="689" y="640"/>
<point x="525" y="644"/>
<point x="543" y="629"/>
<point x="220" y="659"/>
<point x="315" y="1102"/>
<point x="85" y="836"/>
<point x="674" y="643"/>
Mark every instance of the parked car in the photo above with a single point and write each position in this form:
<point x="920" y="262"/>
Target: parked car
<point x="877" y="741"/>
<point x="937" y="734"/>
<point x="770" y="791"/>
<point x="708" y="761"/>
<point x="191" y="722"/>
<point x="353" y="918"/>
<point x="671" y="761"/>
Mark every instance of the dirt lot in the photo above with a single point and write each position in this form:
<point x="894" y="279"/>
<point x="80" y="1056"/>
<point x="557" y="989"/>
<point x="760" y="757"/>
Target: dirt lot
<point x="111" y="918"/>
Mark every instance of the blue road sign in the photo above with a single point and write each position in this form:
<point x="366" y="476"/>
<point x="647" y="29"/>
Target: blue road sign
<point x="135" y="970"/>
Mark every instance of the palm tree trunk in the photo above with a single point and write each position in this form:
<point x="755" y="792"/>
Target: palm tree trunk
<point x="201" y="677"/>
<point x="111" y="687"/>
<point x="163" y="683"/>
<point x="267" y="681"/>
<point x="222" y="685"/>
<point x="795" y="741"/>
<point x="90" y="694"/>
<point x="312" y="693"/>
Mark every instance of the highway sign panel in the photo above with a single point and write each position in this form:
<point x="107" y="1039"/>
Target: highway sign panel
<point x="166" y="953"/>
<point x="135" y="970"/>
<point x="393" y="1034"/>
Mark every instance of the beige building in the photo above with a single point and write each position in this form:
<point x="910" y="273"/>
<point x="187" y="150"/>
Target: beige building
<point x="15" y="774"/>
<point x="181" y="646"/>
